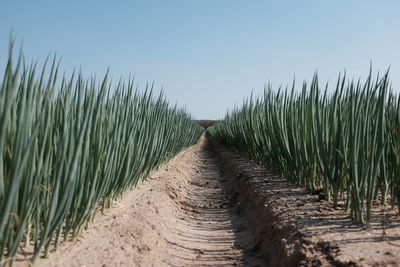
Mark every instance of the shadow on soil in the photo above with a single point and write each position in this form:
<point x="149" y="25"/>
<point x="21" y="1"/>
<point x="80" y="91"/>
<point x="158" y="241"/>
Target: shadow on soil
<point x="277" y="212"/>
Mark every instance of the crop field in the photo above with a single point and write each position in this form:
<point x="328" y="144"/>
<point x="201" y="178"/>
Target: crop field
<point x="104" y="171"/>
<point x="345" y="142"/>
<point x="280" y="170"/>
<point x="199" y="133"/>
<point x="71" y="146"/>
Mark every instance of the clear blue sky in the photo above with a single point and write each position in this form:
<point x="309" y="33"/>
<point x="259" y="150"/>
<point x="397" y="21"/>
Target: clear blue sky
<point x="209" y="54"/>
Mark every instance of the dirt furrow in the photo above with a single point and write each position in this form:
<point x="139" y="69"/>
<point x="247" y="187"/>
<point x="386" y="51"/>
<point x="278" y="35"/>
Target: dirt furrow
<point x="182" y="215"/>
<point x="208" y="227"/>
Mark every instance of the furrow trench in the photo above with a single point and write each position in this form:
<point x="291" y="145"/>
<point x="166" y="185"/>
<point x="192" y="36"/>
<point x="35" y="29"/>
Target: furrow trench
<point x="184" y="214"/>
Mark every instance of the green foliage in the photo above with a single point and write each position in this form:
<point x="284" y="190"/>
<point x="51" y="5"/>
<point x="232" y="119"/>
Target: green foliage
<point x="73" y="146"/>
<point x="346" y="142"/>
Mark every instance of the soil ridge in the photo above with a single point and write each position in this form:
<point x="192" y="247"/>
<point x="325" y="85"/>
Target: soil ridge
<point x="295" y="228"/>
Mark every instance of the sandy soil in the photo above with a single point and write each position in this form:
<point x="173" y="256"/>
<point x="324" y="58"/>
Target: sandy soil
<point x="182" y="215"/>
<point x="295" y="228"/>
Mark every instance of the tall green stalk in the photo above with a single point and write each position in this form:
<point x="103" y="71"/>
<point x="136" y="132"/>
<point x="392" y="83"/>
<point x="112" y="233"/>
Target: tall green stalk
<point x="345" y="141"/>
<point x="71" y="146"/>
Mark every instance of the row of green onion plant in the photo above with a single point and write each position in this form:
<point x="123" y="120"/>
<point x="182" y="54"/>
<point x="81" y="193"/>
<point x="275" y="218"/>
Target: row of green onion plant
<point x="343" y="140"/>
<point x="71" y="146"/>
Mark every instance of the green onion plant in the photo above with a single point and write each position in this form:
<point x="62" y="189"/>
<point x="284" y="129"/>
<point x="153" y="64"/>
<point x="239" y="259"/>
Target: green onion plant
<point x="344" y="141"/>
<point x="70" y="146"/>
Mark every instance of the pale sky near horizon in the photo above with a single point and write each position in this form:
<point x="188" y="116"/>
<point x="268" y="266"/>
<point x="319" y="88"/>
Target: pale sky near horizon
<point x="209" y="55"/>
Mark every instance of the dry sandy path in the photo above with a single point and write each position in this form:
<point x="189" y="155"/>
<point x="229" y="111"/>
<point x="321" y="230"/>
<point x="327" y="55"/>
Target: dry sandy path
<point x="182" y="215"/>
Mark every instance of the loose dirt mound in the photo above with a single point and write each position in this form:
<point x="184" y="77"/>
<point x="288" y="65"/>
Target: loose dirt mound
<point x="181" y="215"/>
<point x="295" y="228"/>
